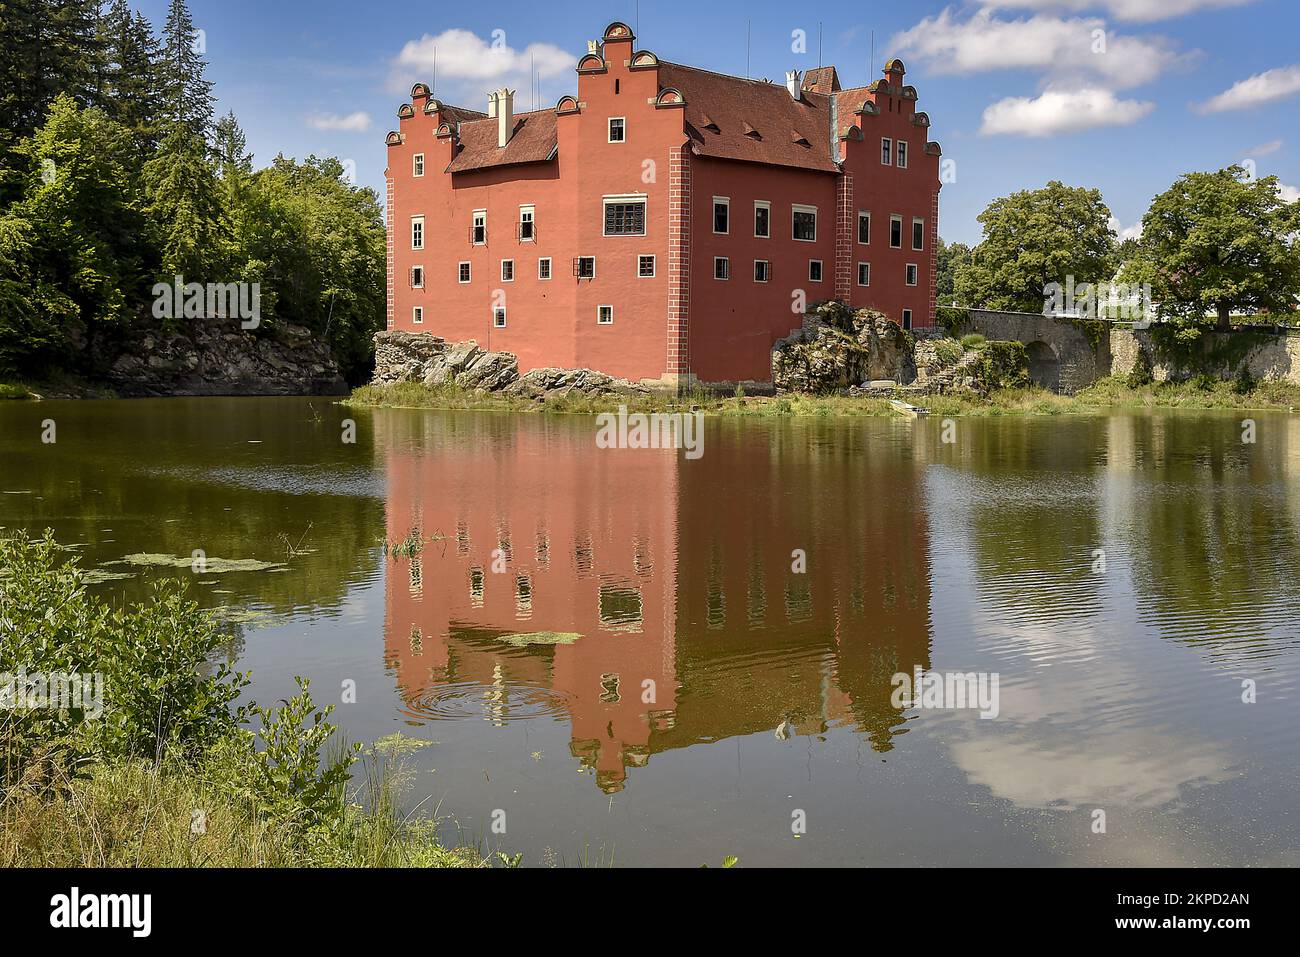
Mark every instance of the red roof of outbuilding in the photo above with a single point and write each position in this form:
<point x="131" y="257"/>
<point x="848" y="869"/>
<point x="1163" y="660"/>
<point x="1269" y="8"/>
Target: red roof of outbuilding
<point x="534" y="141"/>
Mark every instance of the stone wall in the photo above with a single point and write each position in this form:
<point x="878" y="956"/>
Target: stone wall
<point x="1274" y="355"/>
<point x="1061" y="355"/>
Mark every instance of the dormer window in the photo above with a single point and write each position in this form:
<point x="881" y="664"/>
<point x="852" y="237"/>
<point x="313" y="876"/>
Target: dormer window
<point x="617" y="129"/>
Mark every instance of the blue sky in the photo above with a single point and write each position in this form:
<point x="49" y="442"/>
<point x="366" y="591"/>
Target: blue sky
<point x="1123" y="95"/>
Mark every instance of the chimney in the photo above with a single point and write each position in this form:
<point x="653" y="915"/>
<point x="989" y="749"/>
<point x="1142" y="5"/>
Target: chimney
<point x="792" y="78"/>
<point x="505" y="116"/>
<point x="593" y="46"/>
<point x="492" y="104"/>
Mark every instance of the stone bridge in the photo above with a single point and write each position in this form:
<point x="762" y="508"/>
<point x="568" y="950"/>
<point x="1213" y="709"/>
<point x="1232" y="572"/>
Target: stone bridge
<point x="1062" y="357"/>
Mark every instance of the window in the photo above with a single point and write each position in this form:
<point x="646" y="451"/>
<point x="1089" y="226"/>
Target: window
<point x="895" y="232"/>
<point x="526" y="231"/>
<point x="604" y="315"/>
<point x="762" y="270"/>
<point x="584" y="267"/>
<point x="478" y="232"/>
<point x="499" y="317"/>
<point x="617" y="131"/>
<point x="803" y="223"/>
<point x="507" y="270"/>
<point x="417" y="277"/>
<point x="625" y="216"/>
<point x="417" y="232"/>
<point x="907" y="318"/>
<point x="762" y="219"/>
<point x="902" y="154"/>
<point x="544" y="268"/>
<point x="886" y="151"/>
<point x="645" y="267"/>
<point x="464" y="272"/>
<point x="864" y="227"/>
<point x="417" y="315"/>
<point x="911" y="274"/>
<point x="814" y="270"/>
<point x="864" y="274"/>
<point x="721" y="267"/>
<point x="417" y="165"/>
<point x="721" y="214"/>
<point x="918" y="234"/>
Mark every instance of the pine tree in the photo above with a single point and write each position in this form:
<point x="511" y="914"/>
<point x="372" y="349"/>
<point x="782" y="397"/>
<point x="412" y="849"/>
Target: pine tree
<point x="187" y="95"/>
<point x="20" y="49"/>
<point x="72" y="54"/>
<point x="132" y="95"/>
<point x="184" y="204"/>
<point x="230" y="149"/>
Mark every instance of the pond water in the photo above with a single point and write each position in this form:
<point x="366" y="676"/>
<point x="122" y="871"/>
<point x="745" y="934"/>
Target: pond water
<point x="646" y="659"/>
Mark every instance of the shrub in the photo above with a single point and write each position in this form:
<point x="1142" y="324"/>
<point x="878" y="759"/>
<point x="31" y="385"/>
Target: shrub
<point x="1003" y="365"/>
<point x="949" y="351"/>
<point x="1142" y="372"/>
<point x="973" y="341"/>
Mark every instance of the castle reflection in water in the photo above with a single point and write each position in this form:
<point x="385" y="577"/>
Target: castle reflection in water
<point x="694" y="624"/>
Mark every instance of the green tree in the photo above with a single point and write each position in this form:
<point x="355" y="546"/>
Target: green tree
<point x="183" y="202"/>
<point x="1217" y="242"/>
<point x="133" y="89"/>
<point x="187" y="95"/>
<point x="1033" y="239"/>
<point x="949" y="257"/>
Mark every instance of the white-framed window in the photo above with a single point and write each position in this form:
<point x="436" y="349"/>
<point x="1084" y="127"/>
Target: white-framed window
<point x="762" y="219"/>
<point x="918" y="233"/>
<point x="625" y="215"/>
<point x="498" y="317"/>
<point x="417" y="277"/>
<point x="584" y="267"/>
<point x="527" y="227"/>
<point x="617" y="129"/>
<point x="417" y="232"/>
<point x="886" y="151"/>
<point x="721" y="215"/>
<point x="864" y="274"/>
<point x="762" y="270"/>
<point x="417" y="164"/>
<point x="645" y="267"/>
<point x="417" y="315"/>
<point x="462" y="273"/>
<point x="544" y="267"/>
<point x="478" y="231"/>
<point x="604" y="315"/>
<point x="895" y="232"/>
<point x="864" y="227"/>
<point x="507" y="270"/>
<point x="902" y="154"/>
<point x="721" y="267"/>
<point x="814" y="270"/>
<point x="911" y="274"/>
<point x="803" y="223"/>
<point x="907" y="318"/>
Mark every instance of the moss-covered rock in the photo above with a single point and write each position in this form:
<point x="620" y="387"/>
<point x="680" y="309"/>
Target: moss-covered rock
<point x="839" y="347"/>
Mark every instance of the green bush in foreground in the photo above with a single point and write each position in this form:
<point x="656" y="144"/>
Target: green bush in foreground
<point x="159" y="769"/>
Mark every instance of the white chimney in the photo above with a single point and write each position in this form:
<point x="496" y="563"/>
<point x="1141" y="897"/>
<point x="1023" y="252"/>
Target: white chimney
<point x="505" y="116"/>
<point x="792" y="79"/>
<point x="492" y="104"/>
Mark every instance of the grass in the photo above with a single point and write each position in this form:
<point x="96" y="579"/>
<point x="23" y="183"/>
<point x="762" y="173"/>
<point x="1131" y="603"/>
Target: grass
<point x="12" y="390"/>
<point x="1109" y="393"/>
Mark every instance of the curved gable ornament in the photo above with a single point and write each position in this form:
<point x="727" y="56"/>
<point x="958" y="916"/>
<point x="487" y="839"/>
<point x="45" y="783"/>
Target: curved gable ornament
<point x="405" y="111"/>
<point x="643" y="60"/>
<point x="419" y="90"/>
<point x="394" y="138"/>
<point x="619" y="31"/>
<point x="868" y="108"/>
<point x="566" y="104"/>
<point x="668" y="97"/>
<point x="433" y="106"/>
<point x="933" y="149"/>
<point x="921" y="119"/>
<point x="592" y="63"/>
<point x="853" y="133"/>
<point x="444" y="131"/>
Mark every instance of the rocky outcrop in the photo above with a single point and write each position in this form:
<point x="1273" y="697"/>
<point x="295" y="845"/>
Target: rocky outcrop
<point x="218" y="357"/>
<point x="431" y="360"/>
<point x="838" y="347"/>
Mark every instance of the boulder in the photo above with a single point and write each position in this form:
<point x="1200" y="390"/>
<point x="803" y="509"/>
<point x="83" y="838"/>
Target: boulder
<point x="838" y="347"/>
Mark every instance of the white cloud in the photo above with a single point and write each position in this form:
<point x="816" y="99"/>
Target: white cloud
<point x="1289" y="194"/>
<point x="1133" y="10"/>
<point x="1256" y="90"/>
<point x="1265" y="149"/>
<point x="1126" y="232"/>
<point x="470" y="64"/>
<point x="1061" y="111"/>
<point x="357" y="122"/>
<point x="1066" y="49"/>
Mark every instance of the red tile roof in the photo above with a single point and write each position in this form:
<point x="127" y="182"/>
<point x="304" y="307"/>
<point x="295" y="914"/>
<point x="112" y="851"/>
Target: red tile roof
<point x="534" y="141"/>
<point x="768" y="108"/>
<point x="824" y="79"/>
